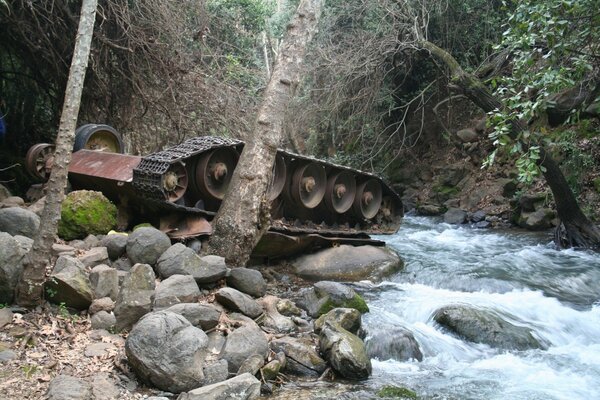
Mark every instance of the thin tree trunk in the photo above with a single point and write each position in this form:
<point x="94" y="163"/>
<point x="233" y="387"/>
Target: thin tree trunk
<point x="579" y="231"/>
<point x="244" y="213"/>
<point x="30" y="287"/>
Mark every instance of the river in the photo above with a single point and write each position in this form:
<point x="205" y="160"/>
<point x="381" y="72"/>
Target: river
<point x="517" y="274"/>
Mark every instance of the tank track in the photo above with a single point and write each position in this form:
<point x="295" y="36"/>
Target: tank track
<point x="148" y="178"/>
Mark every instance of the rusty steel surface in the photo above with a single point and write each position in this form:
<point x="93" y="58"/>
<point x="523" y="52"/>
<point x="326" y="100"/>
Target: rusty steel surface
<point x="98" y="164"/>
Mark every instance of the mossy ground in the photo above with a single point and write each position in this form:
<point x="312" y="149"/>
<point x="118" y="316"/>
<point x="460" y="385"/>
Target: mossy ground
<point x="357" y="302"/>
<point x="396" y="392"/>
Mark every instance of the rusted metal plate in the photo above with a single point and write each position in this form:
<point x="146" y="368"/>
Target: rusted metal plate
<point x="98" y="164"/>
<point x="276" y="244"/>
<point x="183" y="226"/>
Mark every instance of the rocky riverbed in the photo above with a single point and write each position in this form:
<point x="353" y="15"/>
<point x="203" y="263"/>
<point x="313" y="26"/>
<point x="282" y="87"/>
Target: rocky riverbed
<point x="132" y="315"/>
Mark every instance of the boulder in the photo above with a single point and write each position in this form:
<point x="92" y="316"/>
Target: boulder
<point x="242" y="343"/>
<point x="288" y="308"/>
<point x="166" y="351"/>
<point x="145" y="245"/>
<point x="12" y="201"/>
<point x="530" y="202"/>
<point x="393" y="344"/>
<point x="103" y="320"/>
<point x="271" y="370"/>
<point x="324" y="296"/>
<point x="19" y="221"/>
<point x="273" y="320"/>
<point x="204" y="316"/>
<point x="248" y="281"/>
<point x="66" y="387"/>
<point x="6" y="317"/>
<point x="537" y="220"/>
<point x="116" y="244"/>
<point x="467" y="135"/>
<point x="345" y="352"/>
<point x="301" y="357"/>
<point x="94" y="256"/>
<point x="86" y="212"/>
<point x="486" y="326"/>
<point x="347" y="318"/>
<point x="102" y="304"/>
<point x="237" y="301"/>
<point x="136" y="296"/>
<point x="11" y="265"/>
<point x="104" y="281"/>
<point x="69" y="284"/>
<point x="122" y="264"/>
<point x="4" y="192"/>
<point x="176" y="289"/>
<point x="104" y="388"/>
<point x="181" y="260"/>
<point x="252" y="365"/>
<point x="348" y="263"/>
<point x="455" y="216"/>
<point x="242" y="387"/>
<point x="430" y="210"/>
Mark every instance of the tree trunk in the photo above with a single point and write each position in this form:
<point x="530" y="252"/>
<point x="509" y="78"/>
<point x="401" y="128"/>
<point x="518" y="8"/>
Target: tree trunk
<point x="244" y="213"/>
<point x="576" y="229"/>
<point x="30" y="287"/>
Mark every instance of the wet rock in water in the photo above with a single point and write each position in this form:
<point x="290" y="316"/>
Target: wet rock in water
<point x="348" y="263"/>
<point x="19" y="221"/>
<point x="301" y="357"/>
<point x="273" y="319"/>
<point x="104" y="281"/>
<point x="103" y="320"/>
<point x="242" y="343"/>
<point x="485" y="326"/>
<point x="248" y="281"/>
<point x="86" y="212"/>
<point x="145" y="245"/>
<point x="393" y="344"/>
<point x="181" y="260"/>
<point x="347" y="318"/>
<point x="11" y="264"/>
<point x="430" y="210"/>
<point x="478" y="216"/>
<point x="116" y="244"/>
<point x="166" y="351"/>
<point x="345" y="352"/>
<point x="69" y="284"/>
<point x="537" y="220"/>
<point x="237" y="301"/>
<point x="242" y="387"/>
<point x="136" y="296"/>
<point x="455" y="216"/>
<point x="326" y="295"/>
<point x="94" y="256"/>
<point x="204" y="316"/>
<point x="176" y="289"/>
<point x="66" y="387"/>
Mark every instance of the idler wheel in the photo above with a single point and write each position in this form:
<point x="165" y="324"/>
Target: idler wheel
<point x="278" y="178"/>
<point x="309" y="183"/>
<point x="98" y="137"/>
<point x="214" y="171"/>
<point x="175" y="182"/>
<point x="39" y="160"/>
<point x="341" y="189"/>
<point x="368" y="199"/>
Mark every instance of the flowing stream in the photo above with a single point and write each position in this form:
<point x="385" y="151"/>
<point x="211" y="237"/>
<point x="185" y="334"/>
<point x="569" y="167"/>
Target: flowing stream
<point x="518" y="274"/>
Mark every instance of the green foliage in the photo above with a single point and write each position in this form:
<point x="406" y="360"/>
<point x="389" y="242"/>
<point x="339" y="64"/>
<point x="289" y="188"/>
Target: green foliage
<point x="29" y="370"/>
<point x="396" y="392"/>
<point x="574" y="161"/>
<point x="3" y="305"/>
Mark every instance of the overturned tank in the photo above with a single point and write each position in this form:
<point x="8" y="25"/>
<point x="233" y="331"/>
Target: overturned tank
<point x="314" y="203"/>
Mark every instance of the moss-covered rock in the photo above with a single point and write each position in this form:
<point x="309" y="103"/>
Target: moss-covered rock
<point x="86" y="212"/>
<point x="396" y="392"/>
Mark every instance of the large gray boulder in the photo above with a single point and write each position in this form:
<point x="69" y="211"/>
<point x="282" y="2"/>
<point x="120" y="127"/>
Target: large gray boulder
<point x="486" y="326"/>
<point x="237" y="301"/>
<point x="538" y="220"/>
<point x="19" y="221"/>
<point x="66" y="387"/>
<point x="242" y="343"/>
<point x="105" y="281"/>
<point x="176" y="289"/>
<point x="348" y="263"/>
<point x="145" y="245"/>
<point x="326" y="295"/>
<point x="347" y="318"/>
<point x="273" y="320"/>
<point x="136" y="296"/>
<point x="116" y="245"/>
<point x="393" y="344"/>
<point x="181" y="260"/>
<point x="345" y="352"/>
<point x="204" y="316"/>
<point x="12" y="252"/>
<point x="455" y="216"/>
<point x="242" y="387"/>
<point x="69" y="284"/>
<point x="166" y="351"/>
<point x="248" y="281"/>
<point x="301" y="357"/>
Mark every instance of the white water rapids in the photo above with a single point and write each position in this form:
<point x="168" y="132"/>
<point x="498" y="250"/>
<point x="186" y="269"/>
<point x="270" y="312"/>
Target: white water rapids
<point x="518" y="274"/>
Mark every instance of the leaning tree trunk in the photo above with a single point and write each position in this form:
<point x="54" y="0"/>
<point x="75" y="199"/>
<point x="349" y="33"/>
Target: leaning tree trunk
<point x="244" y="213"/>
<point x="30" y="287"/>
<point x="579" y="231"/>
